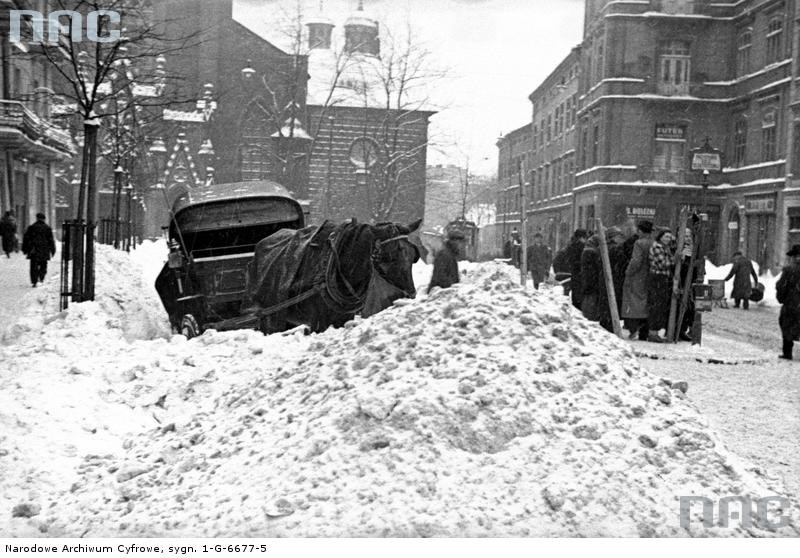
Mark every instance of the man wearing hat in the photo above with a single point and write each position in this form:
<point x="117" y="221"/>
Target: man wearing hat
<point x="539" y="257"/>
<point x="445" y="264"/>
<point x="39" y="246"/>
<point x="634" y="291"/>
<point x="788" y="293"/>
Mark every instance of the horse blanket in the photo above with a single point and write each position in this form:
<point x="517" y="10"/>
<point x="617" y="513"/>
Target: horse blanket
<point x="272" y="273"/>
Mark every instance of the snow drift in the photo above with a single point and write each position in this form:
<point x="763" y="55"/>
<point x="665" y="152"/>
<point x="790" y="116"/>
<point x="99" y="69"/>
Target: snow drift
<point x="480" y="410"/>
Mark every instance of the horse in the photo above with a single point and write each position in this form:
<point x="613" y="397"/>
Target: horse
<point x="323" y="276"/>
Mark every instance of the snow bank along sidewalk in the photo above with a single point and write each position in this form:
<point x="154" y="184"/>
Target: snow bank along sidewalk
<point x="477" y="410"/>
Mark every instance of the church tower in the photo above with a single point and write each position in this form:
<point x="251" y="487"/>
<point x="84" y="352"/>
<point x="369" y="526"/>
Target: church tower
<point x="361" y="33"/>
<point x="320" y="30"/>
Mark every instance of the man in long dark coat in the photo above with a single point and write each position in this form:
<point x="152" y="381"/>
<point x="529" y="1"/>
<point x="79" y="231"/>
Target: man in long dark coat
<point x="787" y="290"/>
<point x="741" y="271"/>
<point x="634" y="292"/>
<point x="573" y="254"/>
<point x="538" y="258"/>
<point x="38" y="244"/>
<point x="8" y="231"/>
<point x="445" y="264"/>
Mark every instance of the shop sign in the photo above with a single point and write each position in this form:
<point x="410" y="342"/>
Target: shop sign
<point x="670" y="132"/>
<point x="640" y="212"/>
<point x="760" y="205"/>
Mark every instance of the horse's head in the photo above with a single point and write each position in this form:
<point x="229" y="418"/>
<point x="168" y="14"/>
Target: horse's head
<point x="394" y="254"/>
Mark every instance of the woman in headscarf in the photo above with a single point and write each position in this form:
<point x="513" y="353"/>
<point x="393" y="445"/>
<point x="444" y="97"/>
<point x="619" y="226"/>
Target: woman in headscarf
<point x="659" y="283"/>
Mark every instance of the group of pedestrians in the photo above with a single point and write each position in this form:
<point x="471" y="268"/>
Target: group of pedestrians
<point x="642" y="273"/>
<point x="38" y="243"/>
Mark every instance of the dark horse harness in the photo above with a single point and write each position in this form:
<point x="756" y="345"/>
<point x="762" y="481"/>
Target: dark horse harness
<point x="345" y="302"/>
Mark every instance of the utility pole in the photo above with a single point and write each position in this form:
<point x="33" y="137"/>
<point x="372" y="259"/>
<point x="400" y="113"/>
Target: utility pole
<point x="523" y="258"/>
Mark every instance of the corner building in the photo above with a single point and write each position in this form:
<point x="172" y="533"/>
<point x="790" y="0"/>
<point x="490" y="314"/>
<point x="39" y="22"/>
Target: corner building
<point x="656" y="79"/>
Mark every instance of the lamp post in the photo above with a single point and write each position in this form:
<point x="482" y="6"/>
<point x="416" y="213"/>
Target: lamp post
<point x="118" y="172"/>
<point x="129" y="192"/>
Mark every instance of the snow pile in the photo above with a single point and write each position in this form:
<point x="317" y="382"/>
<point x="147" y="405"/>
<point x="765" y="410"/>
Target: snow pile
<point x="478" y="410"/>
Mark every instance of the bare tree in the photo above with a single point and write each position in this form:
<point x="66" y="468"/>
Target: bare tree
<point x="94" y="75"/>
<point x="398" y="83"/>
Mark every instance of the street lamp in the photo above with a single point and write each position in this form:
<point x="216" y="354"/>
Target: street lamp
<point x="248" y="72"/>
<point x="118" y="172"/>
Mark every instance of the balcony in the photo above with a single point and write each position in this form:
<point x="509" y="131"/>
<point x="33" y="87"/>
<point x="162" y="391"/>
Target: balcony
<point x="21" y="129"/>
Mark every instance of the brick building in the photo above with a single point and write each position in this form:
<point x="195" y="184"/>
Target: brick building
<point x="655" y="79"/>
<point x="515" y="149"/>
<point x="31" y="145"/>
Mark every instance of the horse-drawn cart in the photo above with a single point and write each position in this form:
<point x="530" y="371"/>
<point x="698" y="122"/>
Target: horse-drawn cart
<point x="213" y="233"/>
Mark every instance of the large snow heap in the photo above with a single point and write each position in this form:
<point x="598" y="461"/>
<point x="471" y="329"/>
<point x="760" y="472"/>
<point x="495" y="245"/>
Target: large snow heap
<point x="480" y="410"/>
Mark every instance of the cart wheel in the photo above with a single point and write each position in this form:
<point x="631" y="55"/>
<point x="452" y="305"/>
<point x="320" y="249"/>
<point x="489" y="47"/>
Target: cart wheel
<point x="189" y="326"/>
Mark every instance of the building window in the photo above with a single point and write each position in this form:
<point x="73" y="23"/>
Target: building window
<point x="363" y="154"/>
<point x="675" y="68"/>
<point x="743" y="43"/>
<point x="598" y="68"/>
<point x="584" y="146"/>
<point x="256" y="151"/>
<point x="596" y="145"/>
<point x="739" y="141"/>
<point x="796" y="147"/>
<point x="678" y="6"/>
<point x="669" y="151"/>
<point x="768" y="135"/>
<point x="549" y="127"/>
<point x="775" y="39"/>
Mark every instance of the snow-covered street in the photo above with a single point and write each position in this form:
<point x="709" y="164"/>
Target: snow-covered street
<point x="477" y="410"/>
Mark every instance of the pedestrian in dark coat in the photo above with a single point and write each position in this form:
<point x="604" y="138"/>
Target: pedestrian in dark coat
<point x="573" y="253"/>
<point x="592" y="278"/>
<point x="38" y="244"/>
<point x="659" y="285"/>
<point x="538" y="258"/>
<point x="741" y="272"/>
<point x="8" y="232"/>
<point x="787" y="290"/>
<point x="634" y="291"/>
<point x="445" y="264"/>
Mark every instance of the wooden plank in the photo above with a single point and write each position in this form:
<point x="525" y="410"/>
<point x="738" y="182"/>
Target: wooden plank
<point x="611" y="296"/>
<point x="687" y="284"/>
<point x="672" y="330"/>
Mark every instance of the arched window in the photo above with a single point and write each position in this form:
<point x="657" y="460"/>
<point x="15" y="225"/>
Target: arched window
<point x="256" y="150"/>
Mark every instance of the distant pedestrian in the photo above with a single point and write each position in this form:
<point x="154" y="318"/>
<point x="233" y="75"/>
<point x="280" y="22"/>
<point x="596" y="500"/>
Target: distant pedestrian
<point x="659" y="284"/>
<point x="38" y="244"/>
<point x="445" y="263"/>
<point x="634" y="291"/>
<point x="539" y="258"/>
<point x="741" y="272"/>
<point x="8" y="232"/>
<point x="516" y="248"/>
<point x="787" y="290"/>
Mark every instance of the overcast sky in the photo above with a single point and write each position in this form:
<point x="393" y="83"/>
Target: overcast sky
<point x="496" y="52"/>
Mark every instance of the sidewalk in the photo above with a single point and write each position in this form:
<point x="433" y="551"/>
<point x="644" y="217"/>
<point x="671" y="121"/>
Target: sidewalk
<point x="15" y="284"/>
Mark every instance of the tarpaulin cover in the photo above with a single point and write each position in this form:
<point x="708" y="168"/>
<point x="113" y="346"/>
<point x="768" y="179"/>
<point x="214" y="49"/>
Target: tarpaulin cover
<point x="273" y="271"/>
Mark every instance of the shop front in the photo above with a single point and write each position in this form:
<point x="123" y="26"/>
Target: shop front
<point x="760" y="232"/>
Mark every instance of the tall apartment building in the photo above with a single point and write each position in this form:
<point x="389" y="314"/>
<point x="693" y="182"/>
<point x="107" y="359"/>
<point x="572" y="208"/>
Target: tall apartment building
<point x="515" y="151"/>
<point x="31" y="145"/>
<point x="655" y="80"/>
<point x="551" y="172"/>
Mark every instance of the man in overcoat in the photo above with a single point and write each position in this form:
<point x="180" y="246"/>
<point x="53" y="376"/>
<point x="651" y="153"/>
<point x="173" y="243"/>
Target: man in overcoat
<point x="539" y="258"/>
<point x="741" y="271"/>
<point x="634" y="290"/>
<point x="445" y="264"/>
<point x="38" y="244"/>
<point x="787" y="290"/>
